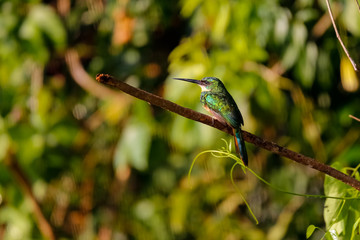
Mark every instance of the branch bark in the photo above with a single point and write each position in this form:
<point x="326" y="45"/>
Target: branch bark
<point x="205" y="119"/>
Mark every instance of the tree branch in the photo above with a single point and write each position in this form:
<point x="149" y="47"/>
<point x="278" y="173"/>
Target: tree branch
<point x="19" y="175"/>
<point x="205" y="119"/>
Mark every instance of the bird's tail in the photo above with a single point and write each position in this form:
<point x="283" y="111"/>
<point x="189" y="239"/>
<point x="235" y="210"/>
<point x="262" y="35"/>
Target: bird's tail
<point x="240" y="146"/>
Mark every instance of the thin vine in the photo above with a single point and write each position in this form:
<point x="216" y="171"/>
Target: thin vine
<point x="225" y="153"/>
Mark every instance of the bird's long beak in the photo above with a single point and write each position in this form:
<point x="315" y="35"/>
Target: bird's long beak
<point x="190" y="80"/>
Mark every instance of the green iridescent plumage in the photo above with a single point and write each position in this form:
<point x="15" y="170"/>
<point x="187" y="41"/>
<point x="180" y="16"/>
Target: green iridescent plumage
<point x="217" y="100"/>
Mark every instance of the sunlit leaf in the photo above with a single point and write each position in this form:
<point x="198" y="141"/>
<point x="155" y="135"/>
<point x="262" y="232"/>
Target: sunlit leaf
<point x="349" y="80"/>
<point x="333" y="187"/>
<point x="309" y="231"/>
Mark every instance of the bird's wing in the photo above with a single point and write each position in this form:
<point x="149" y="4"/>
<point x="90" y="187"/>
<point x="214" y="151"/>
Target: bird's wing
<point x="220" y="104"/>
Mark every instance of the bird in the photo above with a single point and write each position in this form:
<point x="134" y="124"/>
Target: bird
<point x="218" y="101"/>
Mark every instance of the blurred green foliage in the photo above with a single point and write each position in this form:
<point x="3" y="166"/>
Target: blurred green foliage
<point x="103" y="165"/>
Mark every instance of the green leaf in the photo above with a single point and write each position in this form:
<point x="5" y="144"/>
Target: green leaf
<point x="341" y="216"/>
<point x="335" y="188"/>
<point x="310" y="230"/>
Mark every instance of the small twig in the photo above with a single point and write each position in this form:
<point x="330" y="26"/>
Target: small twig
<point x="205" y="119"/>
<point x="19" y="175"/>
<point x="355" y="118"/>
<point x="82" y="78"/>
<point x="324" y="23"/>
<point x="338" y="35"/>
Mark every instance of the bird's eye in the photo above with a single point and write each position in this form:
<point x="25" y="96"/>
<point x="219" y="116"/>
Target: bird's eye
<point x="205" y="82"/>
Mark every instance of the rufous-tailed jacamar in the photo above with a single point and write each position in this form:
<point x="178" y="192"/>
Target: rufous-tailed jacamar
<point x="218" y="101"/>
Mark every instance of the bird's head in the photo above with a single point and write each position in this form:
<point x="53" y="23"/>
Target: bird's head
<point x="206" y="84"/>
